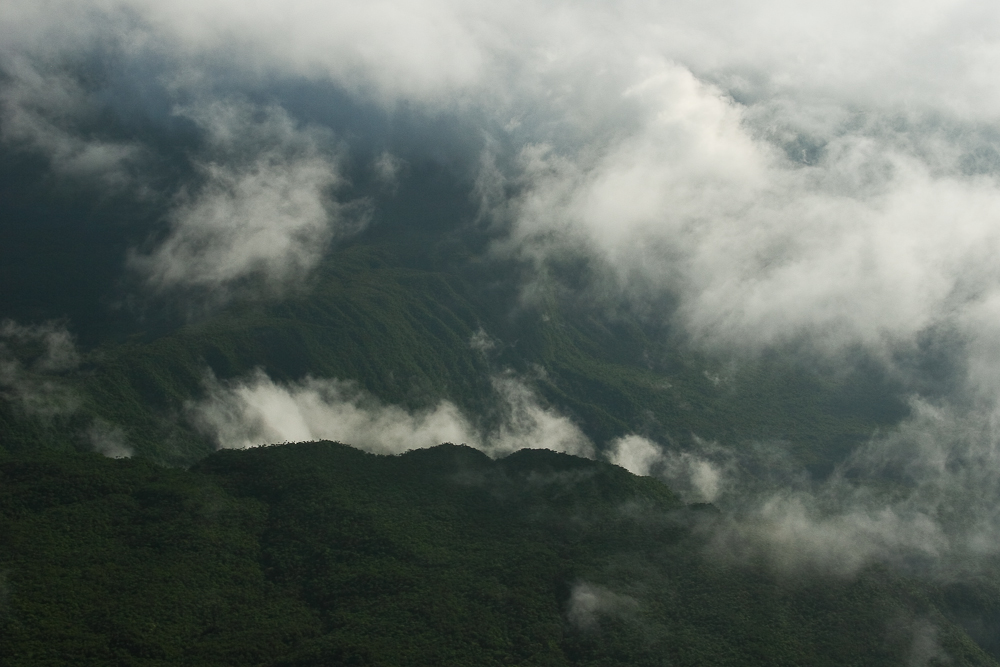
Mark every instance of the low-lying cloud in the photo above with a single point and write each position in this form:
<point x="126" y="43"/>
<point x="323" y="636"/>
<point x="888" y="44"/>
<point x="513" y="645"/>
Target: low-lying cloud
<point x="873" y="244"/>
<point x="37" y="365"/>
<point x="257" y="411"/>
<point x="588" y="603"/>
<point x="45" y="110"/>
<point x="109" y="440"/>
<point x="920" y="496"/>
<point x="32" y="360"/>
<point x="692" y="474"/>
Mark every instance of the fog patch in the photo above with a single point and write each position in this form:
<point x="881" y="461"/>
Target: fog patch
<point x="794" y="534"/>
<point x="920" y="497"/>
<point x="109" y="440"/>
<point x="33" y="360"/>
<point x="925" y="649"/>
<point x="697" y="474"/>
<point x="482" y="342"/>
<point x="695" y="478"/>
<point x="589" y="602"/>
<point x="635" y="453"/>
<point x="258" y="411"/>
<point x="56" y="351"/>
<point x="388" y="168"/>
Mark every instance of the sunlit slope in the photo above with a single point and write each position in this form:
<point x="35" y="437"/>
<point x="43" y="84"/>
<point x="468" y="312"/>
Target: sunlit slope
<point x="319" y="554"/>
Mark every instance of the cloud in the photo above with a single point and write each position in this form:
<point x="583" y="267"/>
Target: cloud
<point x="788" y="171"/>
<point x="259" y="411"/>
<point x="635" y="453"/>
<point x="872" y="245"/>
<point x="589" y="602"/>
<point x="482" y="342"/>
<point x="109" y="440"/>
<point x="925" y="648"/>
<point x="794" y="534"/>
<point x="920" y="497"/>
<point x="32" y="362"/>
<point x="265" y="205"/>
<point x="44" y="108"/>
<point x="527" y="423"/>
<point x="697" y="475"/>
<point x="388" y="168"/>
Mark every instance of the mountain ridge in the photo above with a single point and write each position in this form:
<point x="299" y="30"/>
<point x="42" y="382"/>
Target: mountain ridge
<point x="319" y="553"/>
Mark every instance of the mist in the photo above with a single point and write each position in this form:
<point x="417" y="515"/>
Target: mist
<point x="38" y="366"/>
<point x="258" y="411"/>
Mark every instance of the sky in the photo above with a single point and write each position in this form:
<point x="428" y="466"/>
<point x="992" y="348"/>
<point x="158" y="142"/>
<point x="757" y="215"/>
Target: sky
<point x="819" y="175"/>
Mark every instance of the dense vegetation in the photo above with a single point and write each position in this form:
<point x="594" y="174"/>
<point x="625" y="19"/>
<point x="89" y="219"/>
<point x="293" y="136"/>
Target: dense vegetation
<point x="319" y="554"/>
<point x="403" y="332"/>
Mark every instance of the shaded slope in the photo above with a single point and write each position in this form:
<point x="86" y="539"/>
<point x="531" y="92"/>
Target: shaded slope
<point x="320" y="554"/>
<point x="403" y="334"/>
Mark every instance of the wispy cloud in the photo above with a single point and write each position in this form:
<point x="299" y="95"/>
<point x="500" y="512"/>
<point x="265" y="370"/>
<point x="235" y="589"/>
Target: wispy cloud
<point x="588" y="603"/>
<point x="32" y="360"/>
<point x="109" y="440"/>
<point x="46" y="110"/>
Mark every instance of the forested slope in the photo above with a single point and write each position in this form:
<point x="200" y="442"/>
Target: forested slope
<point x="404" y="333"/>
<point x="317" y="554"/>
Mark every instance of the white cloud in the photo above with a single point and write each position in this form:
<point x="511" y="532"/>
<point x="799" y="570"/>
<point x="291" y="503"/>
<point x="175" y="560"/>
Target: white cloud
<point x="259" y="411"/>
<point x="635" y="453"/>
<point x="923" y="495"/>
<point x="388" y="168"/>
<point x="872" y="245"/>
<point x="265" y="206"/>
<point x="633" y="143"/>
<point x="528" y="424"/>
<point x="692" y="474"/>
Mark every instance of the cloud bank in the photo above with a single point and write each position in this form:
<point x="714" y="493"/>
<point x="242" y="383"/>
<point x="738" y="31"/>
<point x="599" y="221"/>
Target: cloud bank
<point x="257" y="411"/>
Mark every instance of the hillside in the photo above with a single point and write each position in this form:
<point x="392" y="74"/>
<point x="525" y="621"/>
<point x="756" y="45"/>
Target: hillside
<point x="318" y="553"/>
<point x="404" y="334"/>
